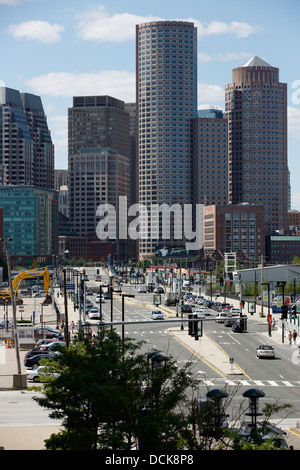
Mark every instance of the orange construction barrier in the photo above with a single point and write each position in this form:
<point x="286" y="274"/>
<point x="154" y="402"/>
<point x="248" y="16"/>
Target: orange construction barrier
<point x="8" y="343"/>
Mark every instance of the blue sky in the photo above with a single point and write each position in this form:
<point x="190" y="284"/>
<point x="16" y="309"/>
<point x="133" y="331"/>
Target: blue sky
<point x="58" y="49"/>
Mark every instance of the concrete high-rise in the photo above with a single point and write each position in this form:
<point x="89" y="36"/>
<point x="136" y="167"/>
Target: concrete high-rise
<point x="26" y="148"/>
<point x="211" y="157"/>
<point x="256" y="108"/>
<point x="98" y="161"/>
<point x="166" y="100"/>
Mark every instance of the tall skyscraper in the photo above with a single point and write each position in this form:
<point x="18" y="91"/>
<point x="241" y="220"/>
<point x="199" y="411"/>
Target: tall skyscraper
<point x="26" y="149"/>
<point x="256" y="108"/>
<point x="98" y="161"/>
<point x="211" y="157"/>
<point x="166" y="87"/>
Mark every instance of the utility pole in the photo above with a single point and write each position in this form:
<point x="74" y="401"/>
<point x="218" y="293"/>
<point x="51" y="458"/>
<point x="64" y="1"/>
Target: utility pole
<point x="66" y="310"/>
<point x="13" y="303"/>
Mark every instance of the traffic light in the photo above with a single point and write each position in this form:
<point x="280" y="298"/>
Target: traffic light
<point x="221" y="281"/>
<point x="284" y="309"/>
<point x="193" y="327"/>
<point x="294" y="311"/>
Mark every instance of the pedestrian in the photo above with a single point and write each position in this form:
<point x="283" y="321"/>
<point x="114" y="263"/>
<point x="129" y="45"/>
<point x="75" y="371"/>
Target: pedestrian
<point x="72" y="326"/>
<point x="295" y="336"/>
<point x="290" y="336"/>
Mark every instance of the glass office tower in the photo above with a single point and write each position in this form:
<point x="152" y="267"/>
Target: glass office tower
<point x="166" y="87"/>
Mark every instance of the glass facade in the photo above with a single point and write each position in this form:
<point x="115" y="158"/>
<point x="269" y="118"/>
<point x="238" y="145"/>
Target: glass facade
<point x="30" y="218"/>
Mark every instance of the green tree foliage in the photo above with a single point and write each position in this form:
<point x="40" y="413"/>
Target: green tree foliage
<point x="109" y="397"/>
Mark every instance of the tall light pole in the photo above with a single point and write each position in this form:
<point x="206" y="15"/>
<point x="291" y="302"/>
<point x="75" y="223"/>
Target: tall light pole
<point x="123" y="317"/>
<point x="13" y="303"/>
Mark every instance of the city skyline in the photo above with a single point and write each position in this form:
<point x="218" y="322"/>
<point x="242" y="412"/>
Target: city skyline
<point x="60" y="50"/>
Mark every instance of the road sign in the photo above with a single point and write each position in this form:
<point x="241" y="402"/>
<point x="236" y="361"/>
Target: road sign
<point x="276" y="309"/>
<point x="70" y="286"/>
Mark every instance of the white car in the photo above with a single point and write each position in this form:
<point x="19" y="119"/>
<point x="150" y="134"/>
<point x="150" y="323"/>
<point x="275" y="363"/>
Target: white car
<point x="35" y="374"/>
<point x="234" y="311"/>
<point x="94" y="313"/>
<point x="265" y="351"/>
<point x="98" y="298"/>
<point x="142" y="289"/>
<point x="157" y="315"/>
<point x="222" y="317"/>
<point x="202" y="312"/>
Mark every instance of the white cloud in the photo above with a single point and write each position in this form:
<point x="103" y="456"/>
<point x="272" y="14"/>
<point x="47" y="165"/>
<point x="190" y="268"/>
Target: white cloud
<point x="38" y="30"/>
<point x="99" y="25"/>
<point x="208" y="93"/>
<point x="120" y="84"/>
<point x="237" y="28"/>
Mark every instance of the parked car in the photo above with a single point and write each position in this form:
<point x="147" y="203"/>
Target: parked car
<point x="117" y="289"/>
<point x="39" y="293"/>
<point x="4" y="323"/>
<point x="157" y="315"/>
<point x="265" y="350"/>
<point x="159" y="290"/>
<point x="35" y="352"/>
<point x="54" y="346"/>
<point x="221" y="317"/>
<point x="45" y="341"/>
<point x="94" y="314"/>
<point x="36" y="373"/>
<point x="142" y="290"/>
<point x="46" y="332"/>
<point x="237" y="327"/>
<point x="33" y="360"/>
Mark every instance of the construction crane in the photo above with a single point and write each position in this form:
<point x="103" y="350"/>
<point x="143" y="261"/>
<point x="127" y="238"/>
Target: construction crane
<point x="5" y="293"/>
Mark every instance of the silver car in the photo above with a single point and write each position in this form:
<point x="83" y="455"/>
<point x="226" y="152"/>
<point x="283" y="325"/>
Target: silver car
<point x="266" y="351"/>
<point x="157" y="315"/>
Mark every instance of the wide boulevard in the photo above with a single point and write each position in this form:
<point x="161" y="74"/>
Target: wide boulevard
<point x="279" y="379"/>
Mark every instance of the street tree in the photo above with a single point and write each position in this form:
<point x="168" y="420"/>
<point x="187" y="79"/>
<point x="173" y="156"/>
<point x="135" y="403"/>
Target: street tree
<point x="109" y="396"/>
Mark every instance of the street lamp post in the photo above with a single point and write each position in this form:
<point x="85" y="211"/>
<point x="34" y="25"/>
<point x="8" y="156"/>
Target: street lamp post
<point x="253" y="394"/>
<point x="269" y="324"/>
<point x="123" y="316"/>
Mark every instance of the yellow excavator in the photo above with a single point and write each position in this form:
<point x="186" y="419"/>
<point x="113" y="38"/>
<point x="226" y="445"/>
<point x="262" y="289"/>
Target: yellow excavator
<point x="5" y="293"/>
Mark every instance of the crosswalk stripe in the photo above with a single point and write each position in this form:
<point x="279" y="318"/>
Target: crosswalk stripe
<point x="208" y="382"/>
<point x="265" y="383"/>
<point x="258" y="382"/>
<point x="288" y="384"/>
<point x="244" y="382"/>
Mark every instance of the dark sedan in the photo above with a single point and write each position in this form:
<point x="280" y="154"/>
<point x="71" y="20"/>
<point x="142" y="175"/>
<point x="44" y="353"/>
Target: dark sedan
<point x="186" y="308"/>
<point x="32" y="360"/>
